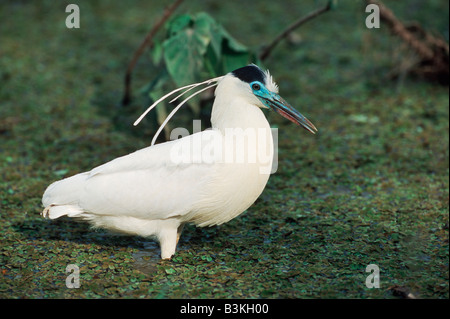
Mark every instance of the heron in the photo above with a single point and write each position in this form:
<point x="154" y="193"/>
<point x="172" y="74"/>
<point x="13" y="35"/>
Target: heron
<point x="206" y="178"/>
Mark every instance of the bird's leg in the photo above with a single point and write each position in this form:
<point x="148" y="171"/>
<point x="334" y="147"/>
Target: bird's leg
<point x="179" y="230"/>
<point x="168" y="242"/>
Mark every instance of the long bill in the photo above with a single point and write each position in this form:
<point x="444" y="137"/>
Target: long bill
<point x="279" y="105"/>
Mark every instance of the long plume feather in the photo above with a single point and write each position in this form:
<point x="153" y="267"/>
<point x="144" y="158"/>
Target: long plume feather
<point x="188" y="87"/>
<point x="177" y="108"/>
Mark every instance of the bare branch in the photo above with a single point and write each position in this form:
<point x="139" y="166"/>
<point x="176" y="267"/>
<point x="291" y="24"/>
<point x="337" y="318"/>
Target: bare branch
<point x="147" y="41"/>
<point x="399" y="29"/>
<point x="267" y="50"/>
<point x="432" y="52"/>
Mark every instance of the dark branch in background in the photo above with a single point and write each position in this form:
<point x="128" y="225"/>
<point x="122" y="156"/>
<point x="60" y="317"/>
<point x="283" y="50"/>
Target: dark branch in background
<point x="432" y="52"/>
<point x="147" y="41"/>
<point x="267" y="50"/>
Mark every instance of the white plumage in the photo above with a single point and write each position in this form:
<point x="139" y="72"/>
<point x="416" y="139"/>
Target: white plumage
<point x="205" y="178"/>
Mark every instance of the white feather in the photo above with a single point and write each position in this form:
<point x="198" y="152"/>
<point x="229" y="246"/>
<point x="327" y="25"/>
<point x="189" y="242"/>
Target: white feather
<point x="270" y="83"/>
<point x="188" y="87"/>
<point x="161" y="127"/>
<point x="151" y="193"/>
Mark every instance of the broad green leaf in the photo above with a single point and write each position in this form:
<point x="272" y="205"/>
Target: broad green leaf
<point x="184" y="51"/>
<point x="212" y="63"/>
<point x="178" y="23"/>
<point x="202" y="26"/>
<point x="197" y="44"/>
<point x="232" y="43"/>
<point x="233" y="60"/>
<point x="182" y="57"/>
<point x="210" y="28"/>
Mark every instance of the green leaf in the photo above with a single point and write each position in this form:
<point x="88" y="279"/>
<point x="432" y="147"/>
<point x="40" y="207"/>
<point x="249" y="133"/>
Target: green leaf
<point x="198" y="44"/>
<point x="234" y="54"/>
<point x="182" y="57"/>
<point x="208" y="26"/>
<point x="333" y="4"/>
<point x="178" y="23"/>
<point x="156" y="52"/>
<point x="212" y="63"/>
<point x="202" y="28"/>
<point x="232" y="43"/>
<point x="233" y="60"/>
<point x="170" y="271"/>
<point x="183" y="52"/>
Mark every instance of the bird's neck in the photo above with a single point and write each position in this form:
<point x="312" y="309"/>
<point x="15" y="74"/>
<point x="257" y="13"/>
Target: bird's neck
<point x="246" y="135"/>
<point x="234" y="108"/>
<point x="236" y="112"/>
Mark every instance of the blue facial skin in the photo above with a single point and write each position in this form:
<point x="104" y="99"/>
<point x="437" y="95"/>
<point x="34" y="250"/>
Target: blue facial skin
<point x="275" y="102"/>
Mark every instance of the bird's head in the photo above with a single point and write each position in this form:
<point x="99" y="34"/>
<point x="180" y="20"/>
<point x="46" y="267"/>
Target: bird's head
<point x="259" y="84"/>
<point x="248" y="82"/>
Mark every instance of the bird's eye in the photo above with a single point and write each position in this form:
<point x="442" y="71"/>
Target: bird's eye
<point x="256" y="87"/>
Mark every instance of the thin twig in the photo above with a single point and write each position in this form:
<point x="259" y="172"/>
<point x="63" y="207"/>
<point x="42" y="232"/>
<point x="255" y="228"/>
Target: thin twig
<point x="267" y="50"/>
<point x="148" y="40"/>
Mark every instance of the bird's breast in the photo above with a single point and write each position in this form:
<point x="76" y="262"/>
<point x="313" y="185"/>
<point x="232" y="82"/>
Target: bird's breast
<point x="239" y="150"/>
<point x="241" y="162"/>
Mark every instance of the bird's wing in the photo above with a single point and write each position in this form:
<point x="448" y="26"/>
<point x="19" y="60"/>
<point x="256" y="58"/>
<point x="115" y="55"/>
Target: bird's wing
<point x="156" y="182"/>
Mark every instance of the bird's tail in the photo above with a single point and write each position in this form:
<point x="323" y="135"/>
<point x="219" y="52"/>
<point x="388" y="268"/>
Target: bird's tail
<point x="54" y="211"/>
<point x="61" y="198"/>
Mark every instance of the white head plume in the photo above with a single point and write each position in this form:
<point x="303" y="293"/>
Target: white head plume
<point x="187" y="88"/>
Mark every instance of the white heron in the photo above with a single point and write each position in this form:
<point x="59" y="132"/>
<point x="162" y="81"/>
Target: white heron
<point x="205" y="179"/>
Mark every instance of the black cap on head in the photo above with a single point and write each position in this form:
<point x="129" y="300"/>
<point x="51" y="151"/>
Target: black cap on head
<point x="249" y="74"/>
